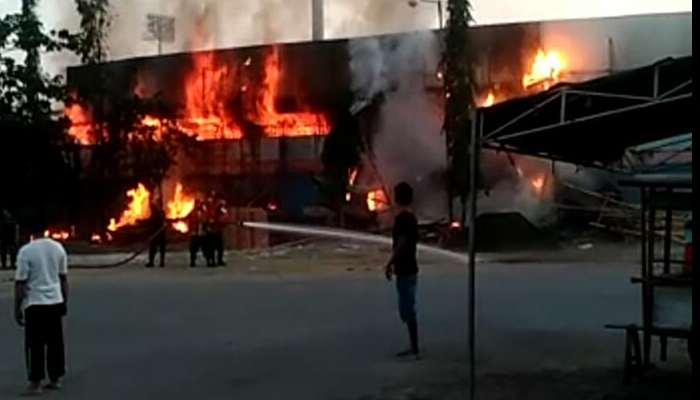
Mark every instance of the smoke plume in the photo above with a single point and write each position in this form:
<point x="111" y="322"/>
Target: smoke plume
<point x="407" y="144"/>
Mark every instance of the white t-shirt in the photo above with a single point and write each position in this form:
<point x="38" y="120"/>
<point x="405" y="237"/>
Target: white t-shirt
<point x="40" y="263"/>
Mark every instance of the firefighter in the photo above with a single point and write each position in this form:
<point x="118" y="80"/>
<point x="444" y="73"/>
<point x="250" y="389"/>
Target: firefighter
<point x="198" y="237"/>
<point x="214" y="241"/>
<point x="216" y="231"/>
<point x="158" y="234"/>
<point x="9" y="238"/>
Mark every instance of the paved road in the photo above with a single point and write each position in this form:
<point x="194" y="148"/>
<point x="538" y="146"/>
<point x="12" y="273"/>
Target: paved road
<point x="202" y="334"/>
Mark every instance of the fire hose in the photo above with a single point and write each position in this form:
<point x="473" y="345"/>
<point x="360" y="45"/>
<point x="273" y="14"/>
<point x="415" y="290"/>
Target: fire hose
<point x="144" y="246"/>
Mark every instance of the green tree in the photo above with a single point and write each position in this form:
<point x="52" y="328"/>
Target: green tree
<point x="95" y="21"/>
<point x="458" y="79"/>
<point x="26" y="92"/>
<point x="32" y="163"/>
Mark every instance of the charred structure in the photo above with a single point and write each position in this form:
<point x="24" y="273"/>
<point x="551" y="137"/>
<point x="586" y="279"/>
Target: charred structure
<point x="258" y="120"/>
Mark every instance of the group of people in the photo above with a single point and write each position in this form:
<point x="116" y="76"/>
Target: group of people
<point x="206" y="224"/>
<point x="41" y="283"/>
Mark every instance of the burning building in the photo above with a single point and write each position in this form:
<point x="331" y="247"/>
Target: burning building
<point x="258" y="118"/>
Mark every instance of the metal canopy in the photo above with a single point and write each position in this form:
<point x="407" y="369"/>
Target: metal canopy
<point x="593" y="122"/>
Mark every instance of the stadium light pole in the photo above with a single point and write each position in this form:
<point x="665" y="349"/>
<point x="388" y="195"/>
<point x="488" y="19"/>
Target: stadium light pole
<point x="415" y="3"/>
<point x="317" y="20"/>
<point x="161" y="29"/>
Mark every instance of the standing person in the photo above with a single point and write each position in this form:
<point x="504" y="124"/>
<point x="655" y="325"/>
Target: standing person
<point x="403" y="264"/>
<point x="9" y="237"/>
<point x="197" y="219"/>
<point x="158" y="232"/>
<point x="217" y="227"/>
<point x="41" y="296"/>
<point x="209" y="228"/>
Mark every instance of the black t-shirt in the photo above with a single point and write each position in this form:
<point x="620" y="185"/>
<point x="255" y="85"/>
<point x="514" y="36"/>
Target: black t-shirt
<point x="406" y="226"/>
<point x="157" y="218"/>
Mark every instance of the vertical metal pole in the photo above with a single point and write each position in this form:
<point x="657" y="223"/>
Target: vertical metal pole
<point x="611" y="56"/>
<point x="667" y="233"/>
<point x="643" y="224"/>
<point x="317" y="16"/>
<point x="656" y="82"/>
<point x="651" y="238"/>
<point x="159" y="35"/>
<point x="562" y="110"/>
<point x="645" y="275"/>
<point x="440" y="15"/>
<point x="474" y="165"/>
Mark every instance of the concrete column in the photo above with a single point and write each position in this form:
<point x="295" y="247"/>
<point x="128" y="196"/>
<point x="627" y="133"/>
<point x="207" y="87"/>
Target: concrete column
<point x="317" y="20"/>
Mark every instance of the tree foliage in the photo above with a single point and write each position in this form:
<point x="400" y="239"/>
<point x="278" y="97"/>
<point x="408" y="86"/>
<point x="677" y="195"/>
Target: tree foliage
<point x="42" y="169"/>
<point x="26" y="92"/>
<point x="459" y="99"/>
<point x="33" y="166"/>
<point x="95" y="21"/>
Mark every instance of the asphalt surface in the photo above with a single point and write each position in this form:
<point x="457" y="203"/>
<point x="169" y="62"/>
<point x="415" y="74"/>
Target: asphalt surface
<point x="221" y="334"/>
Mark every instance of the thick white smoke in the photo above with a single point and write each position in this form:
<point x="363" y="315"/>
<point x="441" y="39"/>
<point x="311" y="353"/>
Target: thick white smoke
<point x="407" y="143"/>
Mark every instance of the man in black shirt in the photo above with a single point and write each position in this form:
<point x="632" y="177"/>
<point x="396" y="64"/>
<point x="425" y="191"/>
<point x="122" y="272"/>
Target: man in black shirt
<point x="157" y="230"/>
<point x="404" y="264"/>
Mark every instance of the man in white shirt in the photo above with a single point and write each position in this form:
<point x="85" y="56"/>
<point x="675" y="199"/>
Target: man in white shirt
<point x="41" y="295"/>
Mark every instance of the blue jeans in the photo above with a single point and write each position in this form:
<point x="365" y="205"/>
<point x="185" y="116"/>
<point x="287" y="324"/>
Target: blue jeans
<point x="406" y="288"/>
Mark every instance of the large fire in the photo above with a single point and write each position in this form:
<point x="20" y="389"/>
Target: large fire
<point x="284" y="124"/>
<point x="207" y="88"/>
<point x="545" y="70"/>
<point x="180" y="207"/>
<point x="210" y="88"/>
<point x="139" y="209"/>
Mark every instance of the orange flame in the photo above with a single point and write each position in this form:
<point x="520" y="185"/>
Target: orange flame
<point x="206" y="90"/>
<point x="180" y="207"/>
<point x="353" y="176"/>
<point x="80" y="123"/>
<point x="209" y="89"/>
<point x="139" y="209"/>
<point x="489" y="101"/>
<point x="545" y="69"/>
<point x="56" y="235"/>
<point x="286" y="124"/>
<point x="376" y="200"/>
<point x="538" y="184"/>
<point x="351" y="182"/>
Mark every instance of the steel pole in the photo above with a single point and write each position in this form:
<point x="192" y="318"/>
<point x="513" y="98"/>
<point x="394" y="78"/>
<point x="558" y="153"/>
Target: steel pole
<point x="318" y="23"/>
<point x="474" y="165"/>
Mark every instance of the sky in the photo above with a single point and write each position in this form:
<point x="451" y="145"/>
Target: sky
<point x="247" y="22"/>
